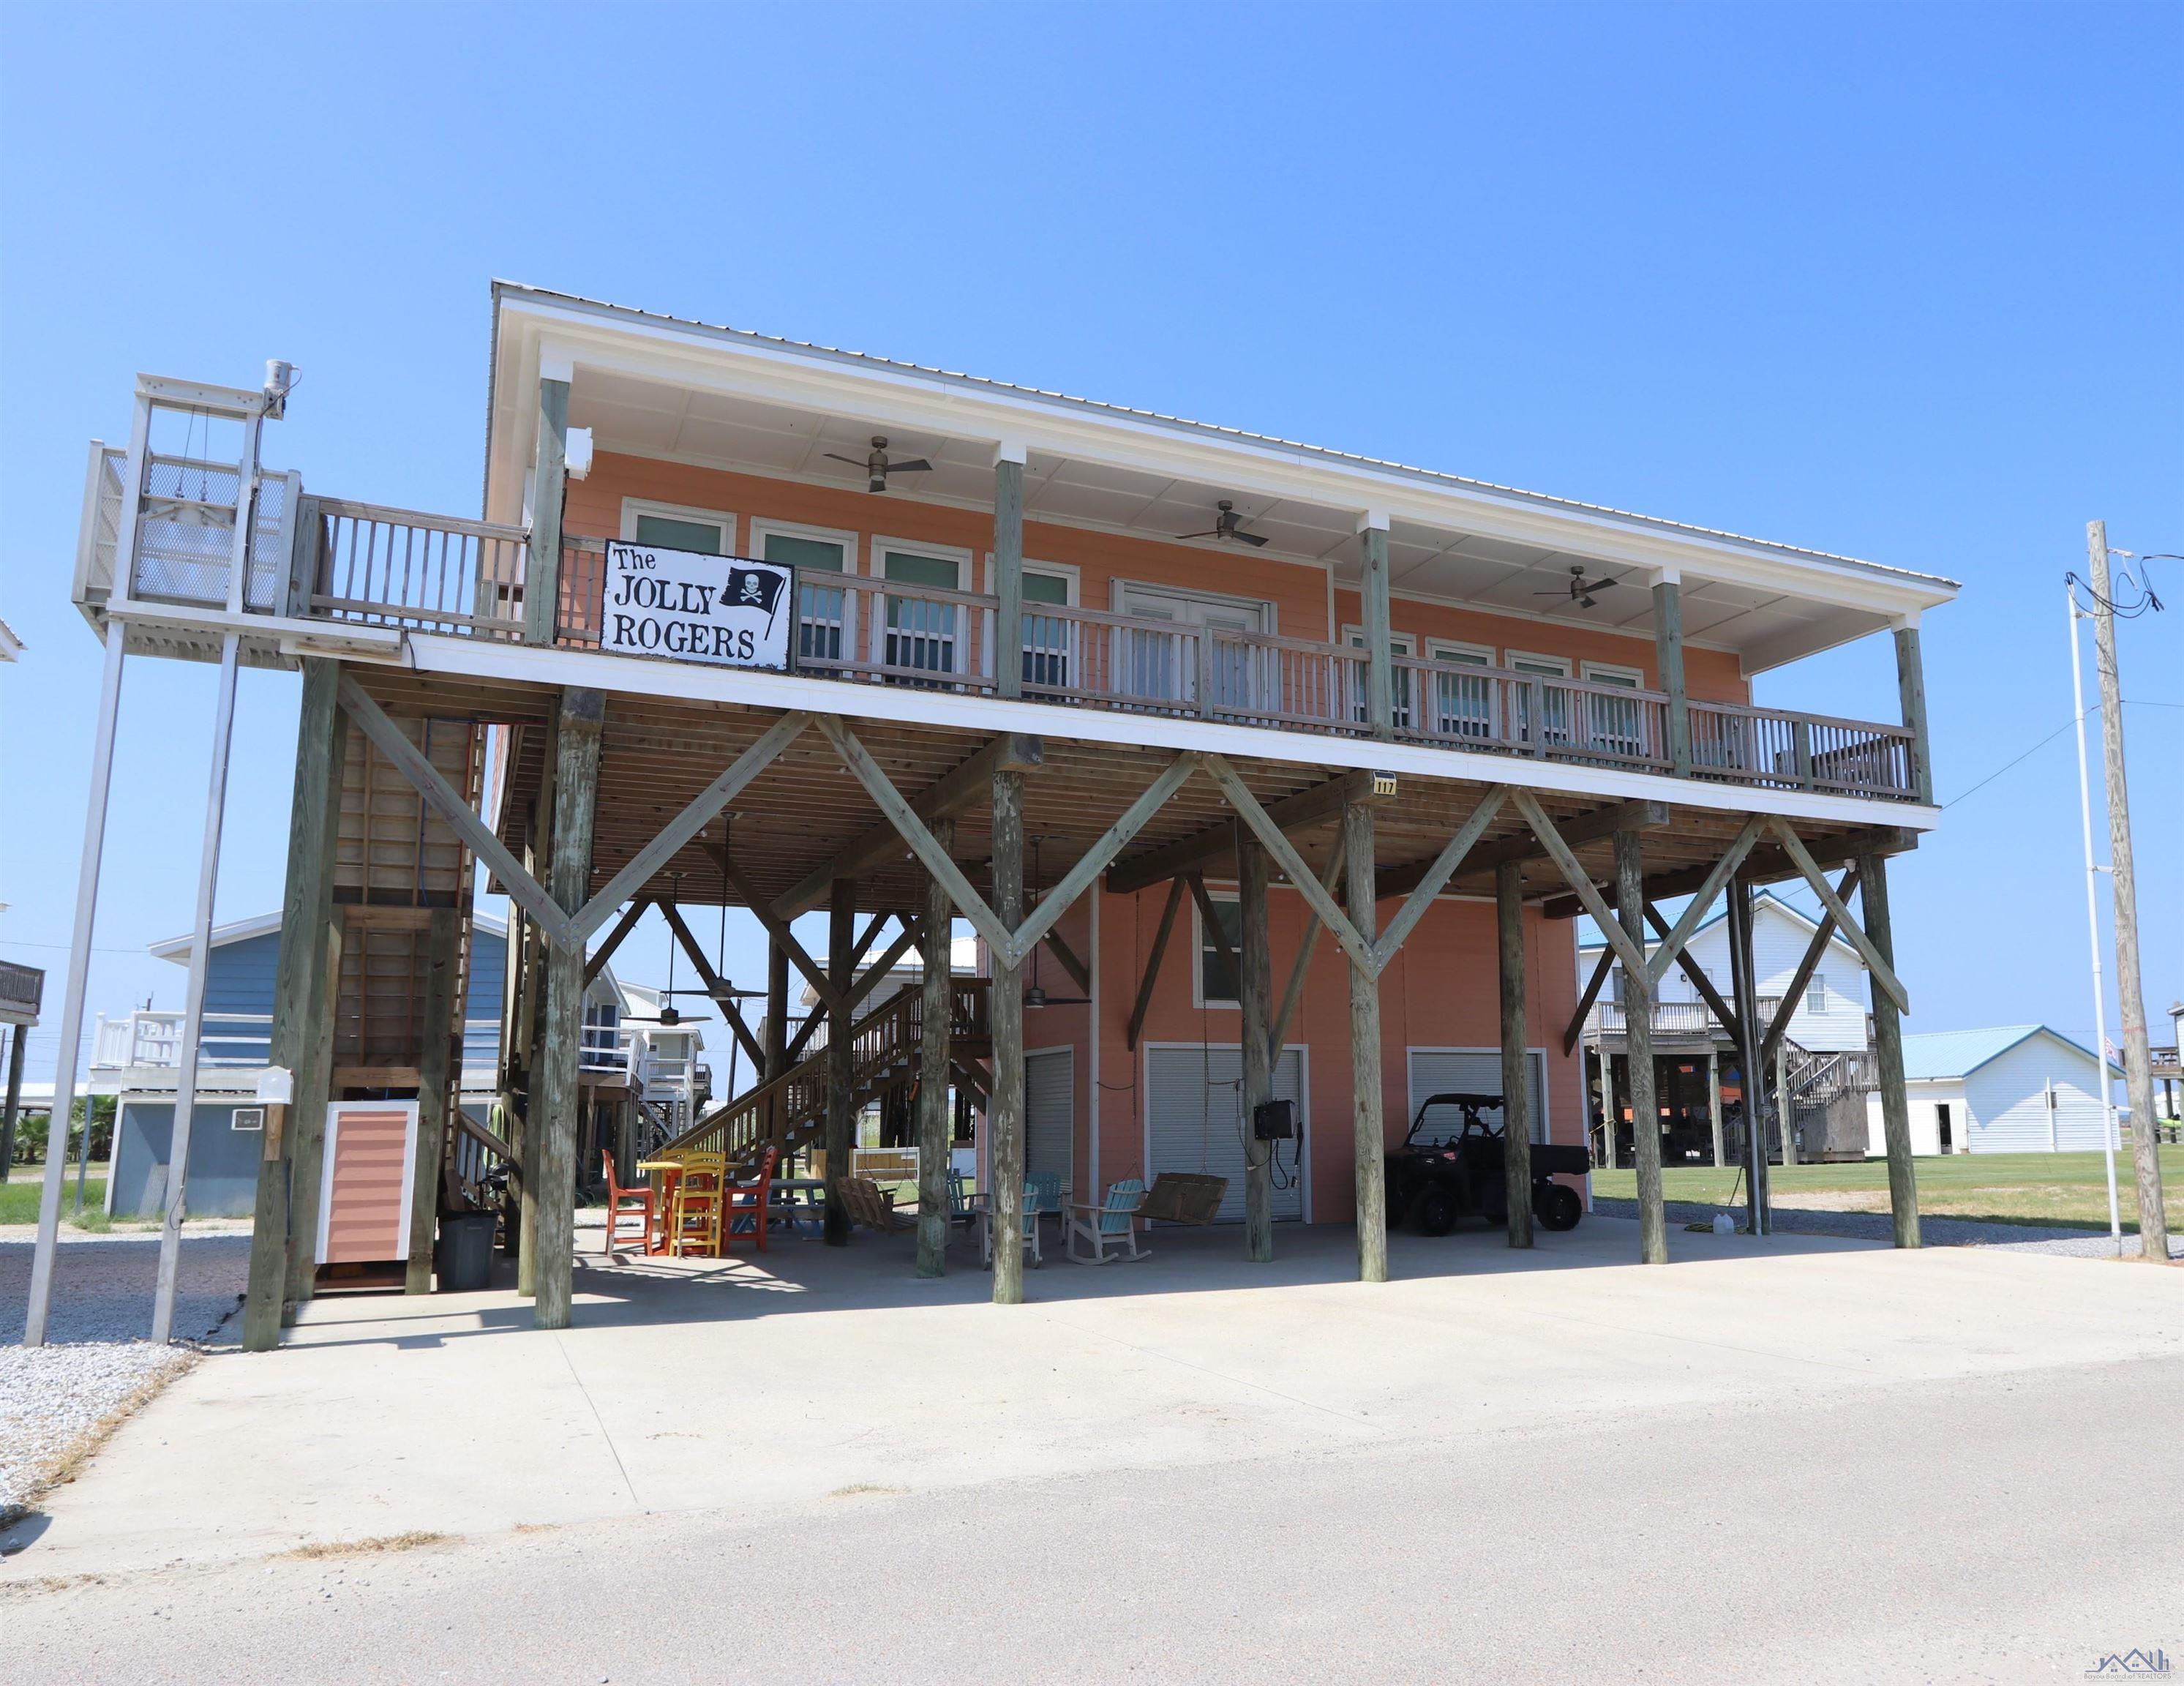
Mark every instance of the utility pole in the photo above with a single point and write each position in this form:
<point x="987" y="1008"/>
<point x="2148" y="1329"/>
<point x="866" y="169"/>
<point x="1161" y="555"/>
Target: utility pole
<point x="2137" y="1063"/>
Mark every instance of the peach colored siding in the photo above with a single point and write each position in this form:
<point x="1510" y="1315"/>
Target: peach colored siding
<point x="367" y="1204"/>
<point x="1298" y="590"/>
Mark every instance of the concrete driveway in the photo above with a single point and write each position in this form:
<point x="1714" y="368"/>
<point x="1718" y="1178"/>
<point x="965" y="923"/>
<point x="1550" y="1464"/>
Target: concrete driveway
<point x="774" y="1399"/>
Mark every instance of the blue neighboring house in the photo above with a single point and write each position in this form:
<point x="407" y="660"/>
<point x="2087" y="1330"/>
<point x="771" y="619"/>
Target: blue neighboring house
<point x="134" y="1057"/>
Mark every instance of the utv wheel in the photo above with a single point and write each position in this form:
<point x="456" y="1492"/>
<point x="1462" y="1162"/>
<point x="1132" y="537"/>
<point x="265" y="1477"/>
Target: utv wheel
<point x="1433" y="1211"/>
<point x="1556" y="1205"/>
<point x="1397" y="1211"/>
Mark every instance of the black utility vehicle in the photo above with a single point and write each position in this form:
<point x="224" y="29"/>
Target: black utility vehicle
<point x="1452" y="1168"/>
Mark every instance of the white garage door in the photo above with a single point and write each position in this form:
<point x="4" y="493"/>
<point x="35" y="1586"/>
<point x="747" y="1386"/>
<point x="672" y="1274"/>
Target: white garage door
<point x="1437" y="1071"/>
<point x="1194" y="1100"/>
<point x="1050" y="1112"/>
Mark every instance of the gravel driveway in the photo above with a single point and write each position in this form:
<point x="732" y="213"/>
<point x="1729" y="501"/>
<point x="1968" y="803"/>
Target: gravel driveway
<point x="60" y="1399"/>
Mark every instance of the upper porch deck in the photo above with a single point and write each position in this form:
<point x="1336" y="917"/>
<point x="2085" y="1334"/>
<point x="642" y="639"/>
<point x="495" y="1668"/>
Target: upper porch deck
<point x="345" y="577"/>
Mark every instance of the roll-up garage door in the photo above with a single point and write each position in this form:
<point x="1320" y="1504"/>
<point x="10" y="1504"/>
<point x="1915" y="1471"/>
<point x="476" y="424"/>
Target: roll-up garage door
<point x="1050" y="1112"/>
<point x="1194" y="1101"/>
<point x="1437" y="1071"/>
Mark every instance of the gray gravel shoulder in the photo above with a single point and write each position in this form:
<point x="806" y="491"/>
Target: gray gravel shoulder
<point x="58" y="1401"/>
<point x="1878" y="1226"/>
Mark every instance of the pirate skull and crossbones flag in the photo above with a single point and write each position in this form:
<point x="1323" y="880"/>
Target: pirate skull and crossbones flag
<point x="754" y="589"/>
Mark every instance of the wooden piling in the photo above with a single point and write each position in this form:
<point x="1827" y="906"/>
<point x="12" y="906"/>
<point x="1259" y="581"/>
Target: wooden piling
<point x="1516" y="1064"/>
<point x="1888" y="1055"/>
<point x="936" y="1130"/>
<point x="302" y="1027"/>
<point x="436" y="1069"/>
<point x="1638" y="1036"/>
<point x="551" y="1149"/>
<point x="1005" y="1112"/>
<point x="1368" y="1135"/>
<point x="839" y="1138"/>
<point x="1254" y="988"/>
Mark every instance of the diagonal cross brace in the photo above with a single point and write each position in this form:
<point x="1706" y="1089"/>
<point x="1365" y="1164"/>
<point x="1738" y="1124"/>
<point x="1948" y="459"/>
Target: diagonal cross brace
<point x="1695" y="915"/>
<point x="1579" y="880"/>
<point x="1011" y="948"/>
<point x="1372" y="958"/>
<point x="1883" y="973"/>
<point x="1803" y="975"/>
<point x="564" y="930"/>
<point x="1704" y="985"/>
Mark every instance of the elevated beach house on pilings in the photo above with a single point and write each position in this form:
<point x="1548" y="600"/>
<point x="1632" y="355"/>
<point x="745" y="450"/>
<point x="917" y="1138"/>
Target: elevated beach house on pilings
<point x="1285" y="770"/>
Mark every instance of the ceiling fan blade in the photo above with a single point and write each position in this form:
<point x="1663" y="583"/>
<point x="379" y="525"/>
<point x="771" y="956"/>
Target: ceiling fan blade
<point x="1248" y="537"/>
<point x="1561" y="591"/>
<point x="1600" y="586"/>
<point x="916" y="465"/>
<point x="854" y="461"/>
<point x="1216" y="533"/>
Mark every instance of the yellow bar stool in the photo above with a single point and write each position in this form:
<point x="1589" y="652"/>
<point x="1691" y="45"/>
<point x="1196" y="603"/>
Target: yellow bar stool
<point x="699" y="1194"/>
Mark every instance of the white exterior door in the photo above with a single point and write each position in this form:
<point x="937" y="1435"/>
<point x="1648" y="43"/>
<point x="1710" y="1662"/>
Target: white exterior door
<point x="1050" y="1113"/>
<point x="1194" y="1114"/>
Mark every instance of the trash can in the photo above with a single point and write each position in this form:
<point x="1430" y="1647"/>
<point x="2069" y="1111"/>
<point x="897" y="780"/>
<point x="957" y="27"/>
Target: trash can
<point x="463" y="1258"/>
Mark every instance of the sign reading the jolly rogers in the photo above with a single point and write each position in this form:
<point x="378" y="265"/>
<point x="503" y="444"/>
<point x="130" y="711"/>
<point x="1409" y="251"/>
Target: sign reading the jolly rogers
<point x="694" y="607"/>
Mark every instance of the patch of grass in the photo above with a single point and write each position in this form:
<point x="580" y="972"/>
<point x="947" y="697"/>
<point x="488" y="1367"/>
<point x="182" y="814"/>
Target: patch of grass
<point x="366" y="1548"/>
<point x="2066" y="1190"/>
<point x="18" y="1196"/>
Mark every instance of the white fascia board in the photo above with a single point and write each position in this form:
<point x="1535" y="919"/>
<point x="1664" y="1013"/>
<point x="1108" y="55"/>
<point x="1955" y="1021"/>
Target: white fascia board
<point x="177" y="948"/>
<point x="905" y="399"/>
<point x="637" y="676"/>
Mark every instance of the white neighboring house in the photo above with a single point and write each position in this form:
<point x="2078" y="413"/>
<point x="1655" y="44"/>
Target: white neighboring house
<point x="1830" y="1016"/>
<point x="2013" y="1089"/>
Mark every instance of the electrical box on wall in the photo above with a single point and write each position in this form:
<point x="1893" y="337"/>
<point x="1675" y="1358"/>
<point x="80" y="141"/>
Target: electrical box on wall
<point x="1274" y="1121"/>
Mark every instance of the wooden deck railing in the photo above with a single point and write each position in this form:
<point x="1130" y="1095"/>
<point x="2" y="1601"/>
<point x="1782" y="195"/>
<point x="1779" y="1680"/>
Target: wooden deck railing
<point x="395" y="568"/>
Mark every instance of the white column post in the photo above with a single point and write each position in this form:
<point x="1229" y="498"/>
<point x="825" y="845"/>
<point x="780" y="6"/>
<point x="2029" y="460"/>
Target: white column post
<point x="186" y="1080"/>
<point x="72" y="1026"/>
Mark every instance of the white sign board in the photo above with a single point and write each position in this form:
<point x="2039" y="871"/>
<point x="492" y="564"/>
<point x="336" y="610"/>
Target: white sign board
<point x="725" y="610"/>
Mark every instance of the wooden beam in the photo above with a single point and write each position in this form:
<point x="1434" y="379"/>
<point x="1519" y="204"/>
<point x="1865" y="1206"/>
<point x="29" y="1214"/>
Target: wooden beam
<point x="697" y="814"/>
<point x="1704" y="985"/>
<point x="1005" y="1112"/>
<point x="777" y="927"/>
<point x="1176" y="890"/>
<point x="1066" y="957"/>
<point x="969" y="785"/>
<point x="1585" y="1000"/>
<point x="1803" y="975"/>
<point x="840" y="1133"/>
<point x="717" y="988"/>
<point x="1911" y="693"/>
<point x="1217" y="842"/>
<point x="1095" y="861"/>
<point x="1559" y="852"/>
<point x="874" y="974"/>
<point x="444" y="800"/>
<point x="1215" y="932"/>
<point x="1008" y="576"/>
<point x="1592" y="827"/>
<point x="1379" y="644"/>
<point x="1672" y="945"/>
<point x="597" y="961"/>
<point x="1668" y="657"/>
<point x="1292" y="864"/>
<point x="1876" y="963"/>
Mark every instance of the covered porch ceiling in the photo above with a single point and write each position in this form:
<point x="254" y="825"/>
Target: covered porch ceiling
<point x="644" y="390"/>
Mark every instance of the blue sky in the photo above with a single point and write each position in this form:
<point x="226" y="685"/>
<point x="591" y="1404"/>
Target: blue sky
<point x="1898" y="281"/>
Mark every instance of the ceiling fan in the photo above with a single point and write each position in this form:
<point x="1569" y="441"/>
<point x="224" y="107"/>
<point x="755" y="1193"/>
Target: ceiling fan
<point x="1227" y="525"/>
<point x="1034" y="996"/>
<point x="1578" y="590"/>
<point x="877" y="466"/>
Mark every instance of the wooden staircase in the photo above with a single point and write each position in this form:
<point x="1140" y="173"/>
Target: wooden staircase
<point x="790" y="1112"/>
